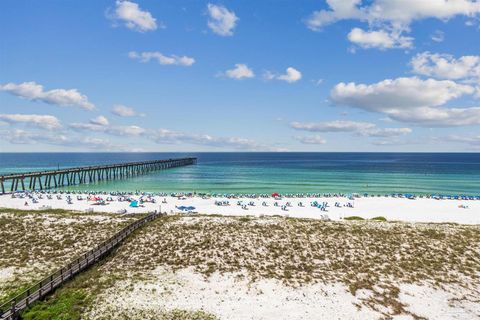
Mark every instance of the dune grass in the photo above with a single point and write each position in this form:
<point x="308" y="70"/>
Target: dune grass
<point x="78" y="295"/>
<point x="35" y="243"/>
<point x="364" y="255"/>
<point x="67" y="306"/>
<point x="380" y="218"/>
<point x="353" y="218"/>
<point x="375" y="256"/>
<point x="358" y="218"/>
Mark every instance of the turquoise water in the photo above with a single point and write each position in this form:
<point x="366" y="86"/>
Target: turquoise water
<point x="420" y="173"/>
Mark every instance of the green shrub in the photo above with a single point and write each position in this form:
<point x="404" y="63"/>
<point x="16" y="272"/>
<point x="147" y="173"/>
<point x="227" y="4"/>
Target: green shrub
<point x="244" y="219"/>
<point x="379" y="218"/>
<point x="66" y="306"/>
<point x="353" y="218"/>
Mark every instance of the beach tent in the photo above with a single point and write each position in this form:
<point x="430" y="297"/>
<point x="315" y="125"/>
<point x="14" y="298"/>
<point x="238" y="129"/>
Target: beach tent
<point x="134" y="204"/>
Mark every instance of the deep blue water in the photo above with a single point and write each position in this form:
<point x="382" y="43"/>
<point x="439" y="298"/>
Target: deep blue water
<point x="448" y="173"/>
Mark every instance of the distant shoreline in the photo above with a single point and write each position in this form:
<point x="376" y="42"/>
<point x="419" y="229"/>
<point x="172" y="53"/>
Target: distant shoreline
<point x="411" y="196"/>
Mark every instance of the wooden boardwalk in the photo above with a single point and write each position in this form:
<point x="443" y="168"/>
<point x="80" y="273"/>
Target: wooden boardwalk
<point x="42" y="180"/>
<point x="11" y="310"/>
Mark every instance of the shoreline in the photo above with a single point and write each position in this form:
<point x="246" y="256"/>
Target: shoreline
<point x="331" y="207"/>
<point x="409" y="195"/>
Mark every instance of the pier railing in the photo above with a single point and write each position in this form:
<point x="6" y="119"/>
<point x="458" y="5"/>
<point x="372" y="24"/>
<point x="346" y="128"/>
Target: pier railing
<point x="11" y="310"/>
<point x="42" y="180"/>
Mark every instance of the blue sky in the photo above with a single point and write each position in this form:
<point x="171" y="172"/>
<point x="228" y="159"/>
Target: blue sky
<point x="351" y="75"/>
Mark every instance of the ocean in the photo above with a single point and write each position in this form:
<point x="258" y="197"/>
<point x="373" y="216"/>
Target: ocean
<point x="377" y="173"/>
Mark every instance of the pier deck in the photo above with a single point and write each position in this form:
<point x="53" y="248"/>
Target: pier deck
<point x="42" y="180"/>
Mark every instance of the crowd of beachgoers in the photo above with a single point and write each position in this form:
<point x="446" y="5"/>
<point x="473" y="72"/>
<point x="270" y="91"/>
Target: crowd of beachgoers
<point x="129" y="195"/>
<point x="325" y="206"/>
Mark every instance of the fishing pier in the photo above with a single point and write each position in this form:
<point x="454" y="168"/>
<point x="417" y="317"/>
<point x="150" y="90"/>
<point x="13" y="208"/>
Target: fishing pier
<point x="42" y="180"/>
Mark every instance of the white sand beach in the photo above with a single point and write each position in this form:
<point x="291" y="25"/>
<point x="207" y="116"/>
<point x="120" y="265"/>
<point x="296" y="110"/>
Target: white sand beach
<point x="281" y="268"/>
<point x="398" y="209"/>
<point x="227" y="297"/>
<point x="275" y="268"/>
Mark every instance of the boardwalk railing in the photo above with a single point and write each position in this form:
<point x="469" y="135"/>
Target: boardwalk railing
<point x="12" y="309"/>
<point x="41" y="180"/>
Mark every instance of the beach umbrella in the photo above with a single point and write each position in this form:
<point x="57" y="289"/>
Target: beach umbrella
<point x="275" y="194"/>
<point x="134" y="204"/>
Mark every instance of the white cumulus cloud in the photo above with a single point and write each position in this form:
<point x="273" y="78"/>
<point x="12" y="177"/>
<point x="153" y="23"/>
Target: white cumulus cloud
<point x="339" y="9"/>
<point x="398" y="93"/>
<point x="410" y="100"/>
<point x="133" y="17"/>
<point x="398" y="13"/>
<point x="291" y="75"/>
<point x="393" y="15"/>
<point x="37" y="120"/>
<point x="166" y="136"/>
<point x="124" y="111"/>
<point x="241" y="71"/>
<point x="446" y="66"/>
<point x="380" y="39"/>
<point x="440" y="117"/>
<point x="221" y="20"/>
<point x="127" y="130"/>
<point x="161" y="58"/>
<point x="387" y="132"/>
<point x="333" y="126"/>
<point x="60" y="97"/>
<point x="358" y="127"/>
<point x="18" y="136"/>
<point x="98" y="125"/>
<point x="89" y="143"/>
<point x="100" y="120"/>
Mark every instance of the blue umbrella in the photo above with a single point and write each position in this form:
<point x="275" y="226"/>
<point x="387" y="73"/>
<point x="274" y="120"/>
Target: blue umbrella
<point x="134" y="204"/>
